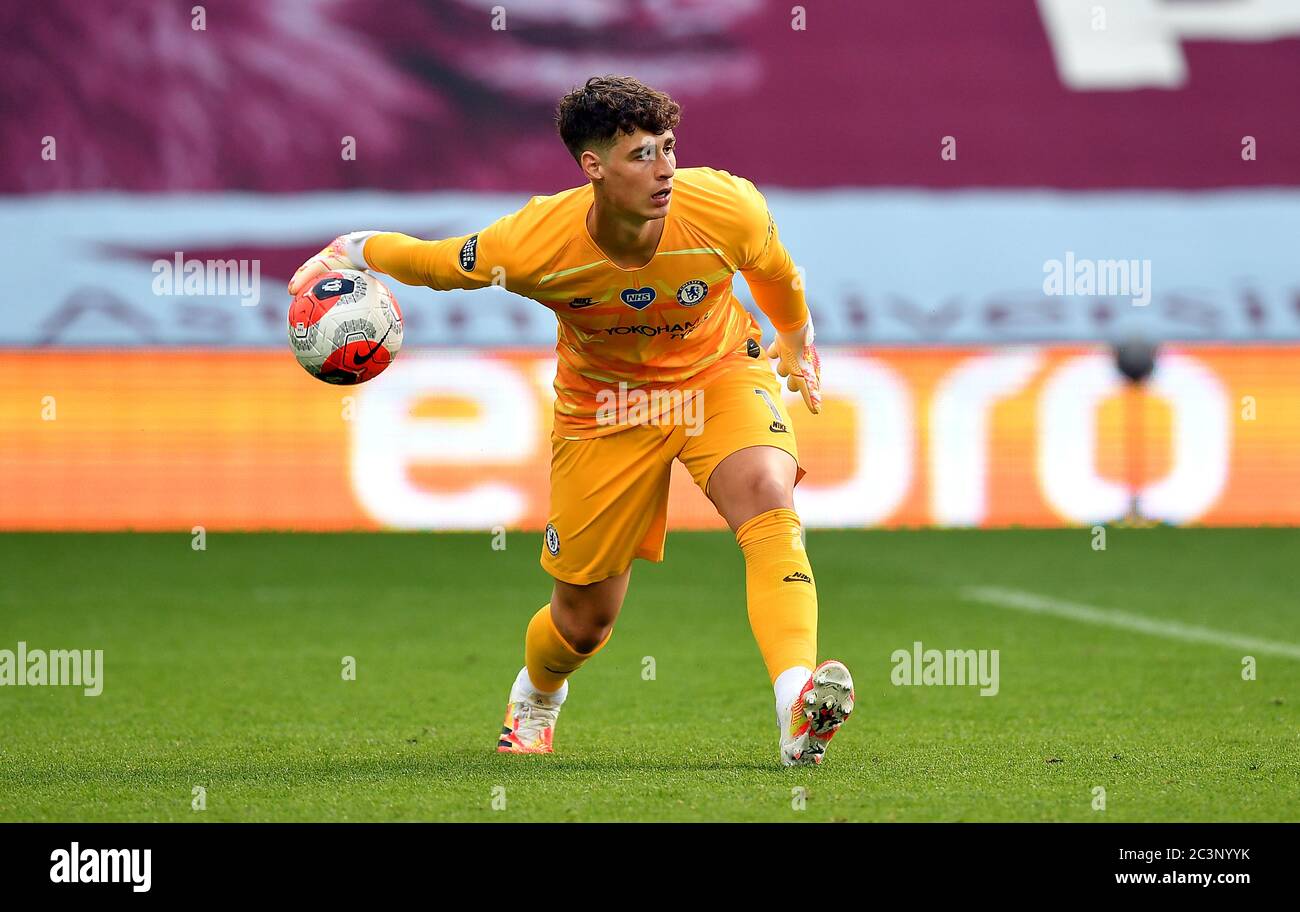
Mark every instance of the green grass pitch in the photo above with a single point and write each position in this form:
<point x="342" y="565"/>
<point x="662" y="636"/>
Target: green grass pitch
<point x="222" y="669"/>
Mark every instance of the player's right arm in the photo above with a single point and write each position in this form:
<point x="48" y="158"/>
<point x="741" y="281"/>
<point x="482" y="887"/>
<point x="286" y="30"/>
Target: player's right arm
<point x="470" y="261"/>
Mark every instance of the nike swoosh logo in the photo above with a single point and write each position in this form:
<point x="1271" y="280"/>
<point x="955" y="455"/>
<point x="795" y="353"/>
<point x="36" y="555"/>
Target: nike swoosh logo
<point x="362" y="359"/>
<point x="796" y="578"/>
<point x="577" y="306"/>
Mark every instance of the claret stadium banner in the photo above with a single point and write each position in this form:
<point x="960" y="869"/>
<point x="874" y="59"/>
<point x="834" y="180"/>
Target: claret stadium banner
<point x="459" y="439"/>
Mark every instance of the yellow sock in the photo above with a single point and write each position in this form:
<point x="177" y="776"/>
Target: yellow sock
<point x="549" y="657"/>
<point x="780" y="591"/>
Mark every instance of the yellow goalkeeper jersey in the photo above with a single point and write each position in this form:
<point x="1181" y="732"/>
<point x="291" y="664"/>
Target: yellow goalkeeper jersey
<point x="672" y="323"/>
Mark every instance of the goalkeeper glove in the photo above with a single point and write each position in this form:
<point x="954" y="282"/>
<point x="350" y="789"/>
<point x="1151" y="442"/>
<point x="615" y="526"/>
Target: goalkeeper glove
<point x="796" y="358"/>
<point x="344" y="252"/>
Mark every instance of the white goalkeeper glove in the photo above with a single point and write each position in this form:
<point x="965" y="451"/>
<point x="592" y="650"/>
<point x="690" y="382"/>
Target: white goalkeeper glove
<point x="796" y="358"/>
<point x="344" y="252"/>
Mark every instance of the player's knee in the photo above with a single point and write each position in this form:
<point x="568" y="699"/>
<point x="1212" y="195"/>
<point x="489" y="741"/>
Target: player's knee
<point x="765" y="491"/>
<point x="591" y="636"/>
<point x="586" y="630"/>
<point x="585" y="615"/>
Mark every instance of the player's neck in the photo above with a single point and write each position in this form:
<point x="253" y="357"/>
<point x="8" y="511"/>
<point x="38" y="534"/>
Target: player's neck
<point x="629" y="241"/>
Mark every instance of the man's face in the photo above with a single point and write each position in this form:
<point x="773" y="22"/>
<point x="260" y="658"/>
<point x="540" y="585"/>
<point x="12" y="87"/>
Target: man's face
<point x="636" y="172"/>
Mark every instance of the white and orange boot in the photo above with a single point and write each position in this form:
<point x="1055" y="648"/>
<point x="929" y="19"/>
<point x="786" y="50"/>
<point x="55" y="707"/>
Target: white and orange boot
<point x="529" y="726"/>
<point x="810" y="721"/>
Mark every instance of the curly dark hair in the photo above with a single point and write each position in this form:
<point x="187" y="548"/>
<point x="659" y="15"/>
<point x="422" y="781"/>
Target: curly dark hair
<point x="607" y="105"/>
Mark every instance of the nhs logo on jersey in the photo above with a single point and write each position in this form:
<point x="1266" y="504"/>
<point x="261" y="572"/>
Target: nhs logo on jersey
<point x="638" y="298"/>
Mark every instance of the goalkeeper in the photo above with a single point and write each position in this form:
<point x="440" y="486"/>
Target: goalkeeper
<point x="637" y="265"/>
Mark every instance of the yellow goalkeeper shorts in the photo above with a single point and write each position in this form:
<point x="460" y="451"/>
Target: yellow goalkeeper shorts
<point x="609" y="495"/>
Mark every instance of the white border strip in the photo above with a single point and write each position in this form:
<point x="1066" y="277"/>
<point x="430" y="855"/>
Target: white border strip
<point x="1041" y="604"/>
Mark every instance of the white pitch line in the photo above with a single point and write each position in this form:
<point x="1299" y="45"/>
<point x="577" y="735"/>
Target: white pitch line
<point x="1042" y="604"/>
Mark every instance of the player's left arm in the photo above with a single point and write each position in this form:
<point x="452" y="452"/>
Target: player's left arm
<point x="778" y="291"/>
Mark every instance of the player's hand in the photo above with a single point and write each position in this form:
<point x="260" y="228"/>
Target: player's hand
<point x="344" y="252"/>
<point x="796" y="358"/>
